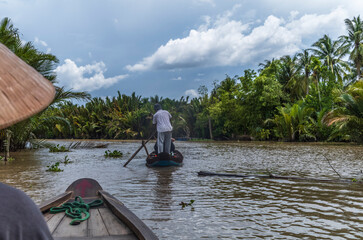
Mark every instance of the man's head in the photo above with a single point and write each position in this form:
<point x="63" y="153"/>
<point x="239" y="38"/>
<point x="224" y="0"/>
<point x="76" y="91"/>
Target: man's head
<point x="157" y="107"/>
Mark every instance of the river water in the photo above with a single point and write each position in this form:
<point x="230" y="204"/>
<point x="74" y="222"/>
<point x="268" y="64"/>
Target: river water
<point x="224" y="207"/>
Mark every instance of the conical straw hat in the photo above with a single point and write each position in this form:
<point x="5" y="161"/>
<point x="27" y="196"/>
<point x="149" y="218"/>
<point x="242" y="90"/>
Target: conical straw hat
<point x="23" y="91"/>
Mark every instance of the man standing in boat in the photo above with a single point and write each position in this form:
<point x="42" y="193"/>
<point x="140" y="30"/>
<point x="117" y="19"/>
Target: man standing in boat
<point x="163" y="126"/>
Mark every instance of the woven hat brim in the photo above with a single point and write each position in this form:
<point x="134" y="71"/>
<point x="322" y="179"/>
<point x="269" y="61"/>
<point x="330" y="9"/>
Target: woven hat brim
<point x="23" y="91"/>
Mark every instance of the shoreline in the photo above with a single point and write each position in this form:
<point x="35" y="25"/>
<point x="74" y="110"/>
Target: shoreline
<point x="206" y="141"/>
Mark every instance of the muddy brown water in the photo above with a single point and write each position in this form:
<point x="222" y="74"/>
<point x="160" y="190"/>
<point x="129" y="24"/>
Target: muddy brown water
<point x="224" y="208"/>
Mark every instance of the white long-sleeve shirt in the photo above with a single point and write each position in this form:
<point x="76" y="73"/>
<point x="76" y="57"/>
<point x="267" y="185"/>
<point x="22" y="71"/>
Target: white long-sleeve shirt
<point x="162" y="120"/>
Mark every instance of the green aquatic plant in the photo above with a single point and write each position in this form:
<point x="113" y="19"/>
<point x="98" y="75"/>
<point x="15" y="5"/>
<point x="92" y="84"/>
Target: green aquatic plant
<point x="9" y="159"/>
<point x="58" y="148"/>
<point x="54" y="168"/>
<point x="66" y="160"/>
<point x="184" y="204"/>
<point x="114" y="154"/>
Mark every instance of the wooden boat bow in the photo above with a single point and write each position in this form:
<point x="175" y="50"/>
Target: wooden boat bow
<point x="112" y="220"/>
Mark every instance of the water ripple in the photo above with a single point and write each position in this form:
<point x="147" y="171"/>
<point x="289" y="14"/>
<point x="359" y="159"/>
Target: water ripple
<point x="224" y="208"/>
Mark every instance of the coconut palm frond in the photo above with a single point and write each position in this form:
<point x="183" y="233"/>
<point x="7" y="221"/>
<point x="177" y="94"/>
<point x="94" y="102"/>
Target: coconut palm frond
<point x="65" y="95"/>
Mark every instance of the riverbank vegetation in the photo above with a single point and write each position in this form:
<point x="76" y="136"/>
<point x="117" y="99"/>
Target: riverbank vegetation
<point x="314" y="95"/>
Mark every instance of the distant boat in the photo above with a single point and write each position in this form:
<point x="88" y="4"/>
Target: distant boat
<point x="164" y="159"/>
<point x="182" y="138"/>
<point x="110" y="220"/>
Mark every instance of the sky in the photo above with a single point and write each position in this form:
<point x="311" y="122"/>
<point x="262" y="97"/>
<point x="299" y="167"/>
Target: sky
<point x="170" y="47"/>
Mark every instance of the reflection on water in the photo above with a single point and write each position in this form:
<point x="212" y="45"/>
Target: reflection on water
<point x="162" y="190"/>
<point x="224" y="208"/>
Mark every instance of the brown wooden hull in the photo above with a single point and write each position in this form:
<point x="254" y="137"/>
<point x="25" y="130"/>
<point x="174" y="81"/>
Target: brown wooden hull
<point x="111" y="220"/>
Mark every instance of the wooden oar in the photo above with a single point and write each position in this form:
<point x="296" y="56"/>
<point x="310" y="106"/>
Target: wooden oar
<point x="138" y="150"/>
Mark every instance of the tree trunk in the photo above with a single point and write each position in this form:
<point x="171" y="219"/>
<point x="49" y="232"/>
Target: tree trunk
<point x="319" y="94"/>
<point x="339" y="180"/>
<point x="358" y="70"/>
<point x="210" y="128"/>
<point x="7" y="145"/>
<point x="293" y="136"/>
<point x="307" y="83"/>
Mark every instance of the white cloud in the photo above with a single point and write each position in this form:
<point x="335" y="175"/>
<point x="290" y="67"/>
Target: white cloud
<point x="227" y="42"/>
<point x="293" y="15"/>
<point x="42" y="43"/>
<point x="313" y="23"/>
<point x="72" y="76"/>
<point x="192" y="93"/>
<point x="210" y="2"/>
<point x="177" y="78"/>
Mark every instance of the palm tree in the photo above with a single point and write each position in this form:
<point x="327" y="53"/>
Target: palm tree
<point x="265" y="64"/>
<point x="304" y="63"/>
<point x="354" y="41"/>
<point x="288" y="75"/>
<point x="288" y="69"/>
<point x="45" y="65"/>
<point x="332" y="53"/>
<point x="9" y="36"/>
<point x="349" y="115"/>
<point x="318" y="71"/>
<point x="291" y="122"/>
<point x="269" y="67"/>
<point x="42" y="62"/>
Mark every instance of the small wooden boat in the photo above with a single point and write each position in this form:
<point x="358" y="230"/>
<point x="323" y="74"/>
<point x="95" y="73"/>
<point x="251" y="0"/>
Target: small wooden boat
<point x="110" y="220"/>
<point x="164" y="159"/>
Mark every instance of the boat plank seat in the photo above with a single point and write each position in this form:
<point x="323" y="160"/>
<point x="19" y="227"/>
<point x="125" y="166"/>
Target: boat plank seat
<point x="101" y="224"/>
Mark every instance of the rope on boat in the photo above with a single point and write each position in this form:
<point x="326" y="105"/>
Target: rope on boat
<point x="76" y="209"/>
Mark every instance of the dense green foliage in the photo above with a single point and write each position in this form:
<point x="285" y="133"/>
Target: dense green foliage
<point x="265" y="111"/>
<point x="315" y="95"/>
